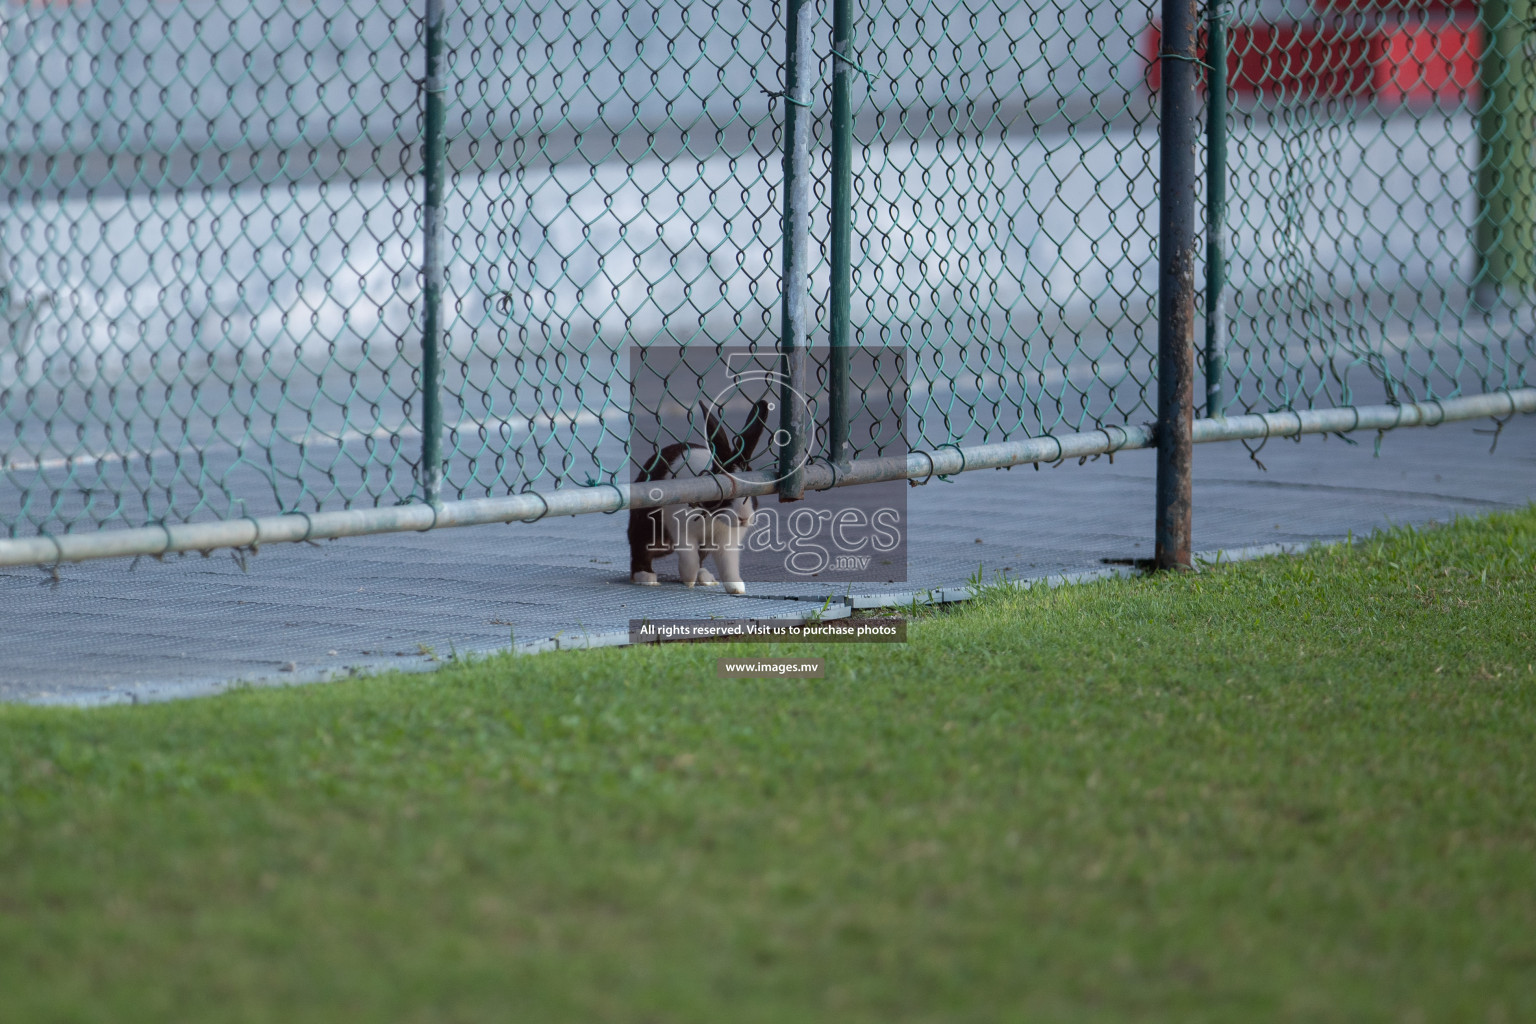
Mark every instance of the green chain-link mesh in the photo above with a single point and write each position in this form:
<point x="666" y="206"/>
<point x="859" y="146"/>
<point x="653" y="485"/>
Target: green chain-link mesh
<point x="206" y="259"/>
<point x="1370" y="146"/>
<point x="211" y="252"/>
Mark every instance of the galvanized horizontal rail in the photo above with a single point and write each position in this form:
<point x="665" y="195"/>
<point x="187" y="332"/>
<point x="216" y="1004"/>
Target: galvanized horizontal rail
<point x="819" y="476"/>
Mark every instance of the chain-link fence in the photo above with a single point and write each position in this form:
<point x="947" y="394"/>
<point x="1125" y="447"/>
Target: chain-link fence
<point x="262" y="260"/>
<point x="1359" y="185"/>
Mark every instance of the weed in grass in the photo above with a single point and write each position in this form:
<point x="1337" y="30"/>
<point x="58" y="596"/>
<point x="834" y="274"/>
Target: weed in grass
<point x="816" y="615"/>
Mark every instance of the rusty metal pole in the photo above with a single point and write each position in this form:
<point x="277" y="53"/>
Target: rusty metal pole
<point x="1177" y="196"/>
<point x="434" y="166"/>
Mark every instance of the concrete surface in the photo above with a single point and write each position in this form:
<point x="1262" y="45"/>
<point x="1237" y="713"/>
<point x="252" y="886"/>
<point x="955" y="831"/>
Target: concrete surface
<point x="115" y="632"/>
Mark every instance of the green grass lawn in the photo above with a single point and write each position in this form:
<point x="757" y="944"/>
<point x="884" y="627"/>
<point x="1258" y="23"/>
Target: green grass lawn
<point x="1298" y="789"/>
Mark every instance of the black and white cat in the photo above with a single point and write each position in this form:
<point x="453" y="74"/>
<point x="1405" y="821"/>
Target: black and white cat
<point x="716" y="528"/>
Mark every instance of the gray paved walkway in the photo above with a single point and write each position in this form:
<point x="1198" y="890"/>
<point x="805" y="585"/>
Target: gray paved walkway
<point x="111" y="632"/>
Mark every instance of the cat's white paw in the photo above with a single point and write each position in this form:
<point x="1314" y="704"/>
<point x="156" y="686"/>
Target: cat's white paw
<point x="644" y="579"/>
<point x="705" y="579"/>
<point x="687" y="583"/>
<point x="736" y="588"/>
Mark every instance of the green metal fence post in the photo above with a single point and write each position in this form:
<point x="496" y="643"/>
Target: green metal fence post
<point x="1216" y="211"/>
<point x="843" y="69"/>
<point x="798" y="66"/>
<point x="1506" y="214"/>
<point x="433" y="170"/>
<point x="1176" y="286"/>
